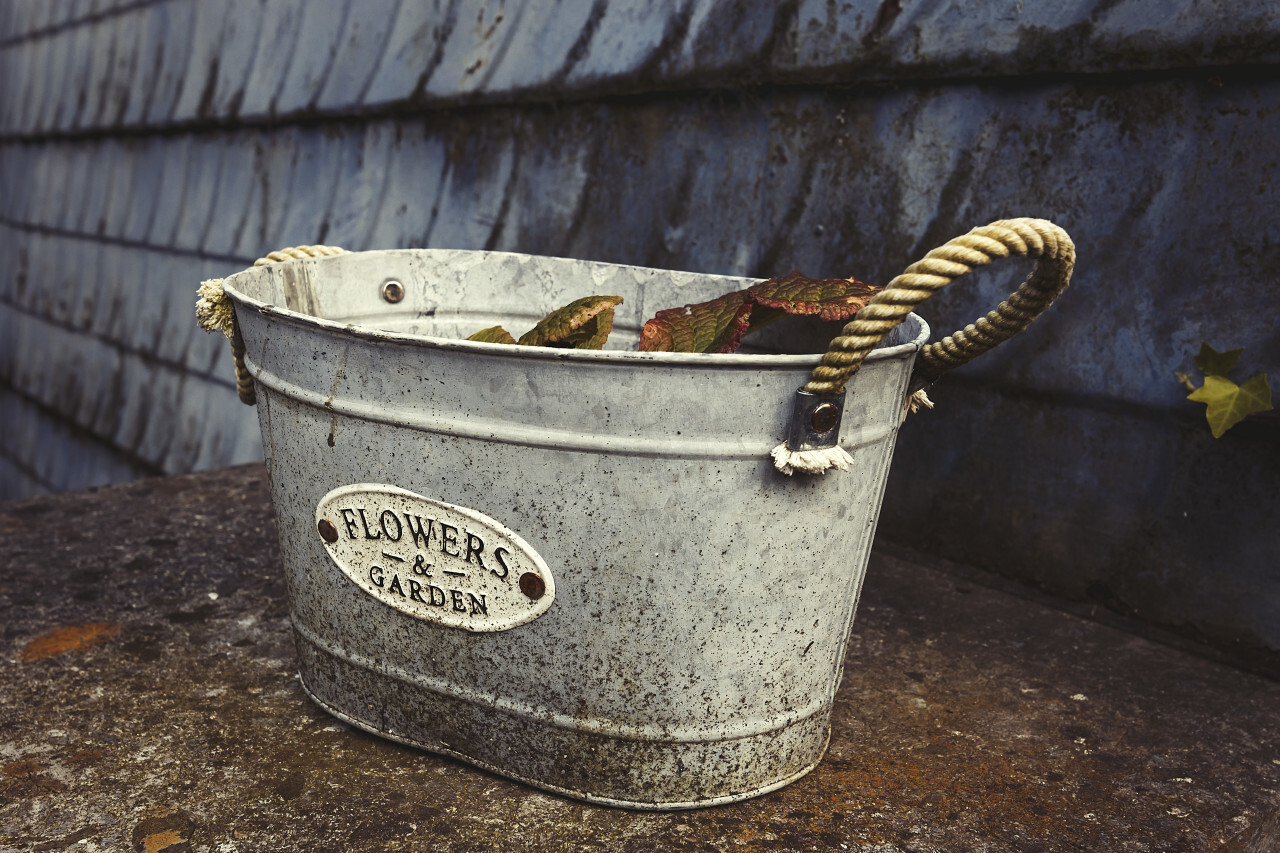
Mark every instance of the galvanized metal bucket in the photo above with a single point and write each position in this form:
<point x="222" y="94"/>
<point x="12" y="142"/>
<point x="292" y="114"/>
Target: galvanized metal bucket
<point x="577" y="569"/>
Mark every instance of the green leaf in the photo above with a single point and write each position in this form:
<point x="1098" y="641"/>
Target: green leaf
<point x="561" y="327"/>
<point x="1214" y="363"/>
<point x="1229" y="403"/>
<point x="715" y="326"/>
<point x="718" y="325"/>
<point x="493" y="335"/>
<point x="591" y="334"/>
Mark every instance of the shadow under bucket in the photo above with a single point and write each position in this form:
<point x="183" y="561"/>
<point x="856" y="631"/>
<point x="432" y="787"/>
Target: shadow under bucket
<point x="576" y="569"/>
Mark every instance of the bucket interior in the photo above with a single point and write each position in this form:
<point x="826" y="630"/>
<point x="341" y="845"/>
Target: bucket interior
<point x="451" y="294"/>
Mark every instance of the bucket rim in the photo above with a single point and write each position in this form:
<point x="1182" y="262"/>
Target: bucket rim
<point x="371" y="333"/>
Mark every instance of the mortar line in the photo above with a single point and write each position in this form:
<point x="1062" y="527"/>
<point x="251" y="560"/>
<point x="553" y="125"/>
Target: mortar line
<point x="527" y="101"/>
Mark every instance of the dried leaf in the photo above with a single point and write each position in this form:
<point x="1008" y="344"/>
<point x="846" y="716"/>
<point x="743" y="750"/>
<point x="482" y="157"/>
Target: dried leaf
<point x="591" y="334"/>
<point x="559" y="328"/>
<point x="1228" y="403"/>
<point x="715" y="326"/>
<point x="829" y="298"/>
<point x="493" y="335"/>
<point x="718" y="325"/>
<point x="1214" y="363"/>
<point x="72" y="638"/>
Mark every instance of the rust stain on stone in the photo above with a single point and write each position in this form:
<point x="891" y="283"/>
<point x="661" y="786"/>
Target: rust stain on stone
<point x="25" y="767"/>
<point x="87" y="757"/>
<point x="23" y="779"/>
<point x="71" y="638"/>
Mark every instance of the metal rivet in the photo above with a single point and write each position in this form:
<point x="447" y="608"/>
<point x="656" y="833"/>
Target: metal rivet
<point x="825" y="416"/>
<point x="532" y="585"/>
<point x="328" y="532"/>
<point x="393" y="291"/>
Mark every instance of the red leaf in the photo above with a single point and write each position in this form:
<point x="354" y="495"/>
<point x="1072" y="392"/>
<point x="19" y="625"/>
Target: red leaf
<point x="718" y="325"/>
<point x="715" y="326"/>
<point x="829" y="298"/>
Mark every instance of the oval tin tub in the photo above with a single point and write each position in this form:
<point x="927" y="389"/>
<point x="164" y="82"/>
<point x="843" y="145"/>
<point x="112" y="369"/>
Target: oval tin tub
<point x="576" y="569"/>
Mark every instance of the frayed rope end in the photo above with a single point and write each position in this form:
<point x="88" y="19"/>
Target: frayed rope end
<point x="214" y="312"/>
<point x="810" y="461"/>
<point x="916" y="402"/>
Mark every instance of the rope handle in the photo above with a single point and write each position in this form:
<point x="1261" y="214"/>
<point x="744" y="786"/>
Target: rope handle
<point x="215" y="312"/>
<point x="1034" y="238"/>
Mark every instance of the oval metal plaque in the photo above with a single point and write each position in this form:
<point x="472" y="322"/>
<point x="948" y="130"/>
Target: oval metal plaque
<point x="433" y="560"/>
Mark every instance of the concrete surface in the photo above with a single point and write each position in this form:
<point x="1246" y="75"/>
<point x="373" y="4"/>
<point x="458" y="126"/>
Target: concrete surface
<point x="149" y="703"/>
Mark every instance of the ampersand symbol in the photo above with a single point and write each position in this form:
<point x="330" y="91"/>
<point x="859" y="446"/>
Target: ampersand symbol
<point x="420" y="567"/>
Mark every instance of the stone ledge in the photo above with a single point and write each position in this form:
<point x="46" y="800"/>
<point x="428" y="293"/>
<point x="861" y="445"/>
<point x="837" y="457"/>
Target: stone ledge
<point x="150" y="703"/>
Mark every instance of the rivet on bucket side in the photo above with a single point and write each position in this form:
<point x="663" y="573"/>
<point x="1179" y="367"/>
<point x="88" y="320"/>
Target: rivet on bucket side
<point x="825" y="417"/>
<point x="815" y="421"/>
<point x="532" y="585"/>
<point x="813" y="435"/>
<point x="393" y="291"/>
<point x="328" y="532"/>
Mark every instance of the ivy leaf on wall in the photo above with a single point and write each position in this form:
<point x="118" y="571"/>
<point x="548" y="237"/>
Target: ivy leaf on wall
<point x="1214" y="363"/>
<point x="1228" y="403"/>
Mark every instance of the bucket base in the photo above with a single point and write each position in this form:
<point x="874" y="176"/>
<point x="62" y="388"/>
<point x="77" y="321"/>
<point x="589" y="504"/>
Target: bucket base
<point x="597" y="768"/>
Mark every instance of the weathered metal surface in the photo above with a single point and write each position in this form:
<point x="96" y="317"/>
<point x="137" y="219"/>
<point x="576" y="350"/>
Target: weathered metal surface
<point x="702" y="600"/>
<point x="149" y="688"/>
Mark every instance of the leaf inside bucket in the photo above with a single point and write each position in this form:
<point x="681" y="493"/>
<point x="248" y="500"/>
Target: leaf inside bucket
<point x="582" y="324"/>
<point x="591" y="334"/>
<point x="493" y="335"/>
<point x="718" y="325"/>
<point x="715" y="326"/>
<point x="829" y="298"/>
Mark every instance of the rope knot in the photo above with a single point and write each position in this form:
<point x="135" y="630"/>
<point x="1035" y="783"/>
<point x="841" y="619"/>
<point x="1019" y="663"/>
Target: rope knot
<point x="214" y="311"/>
